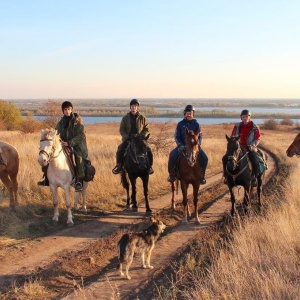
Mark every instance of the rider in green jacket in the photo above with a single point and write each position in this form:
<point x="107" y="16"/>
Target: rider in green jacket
<point x="71" y="130"/>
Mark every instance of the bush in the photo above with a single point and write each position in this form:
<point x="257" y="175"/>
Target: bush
<point x="29" y="125"/>
<point x="270" y="124"/>
<point x="287" y="121"/>
<point x="10" y="116"/>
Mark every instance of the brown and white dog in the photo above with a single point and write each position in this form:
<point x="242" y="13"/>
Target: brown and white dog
<point x="139" y="242"/>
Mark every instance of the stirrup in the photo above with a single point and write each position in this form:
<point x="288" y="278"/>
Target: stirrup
<point x="117" y="169"/>
<point x="202" y="180"/>
<point x="253" y="181"/>
<point x="44" y="182"/>
<point x="151" y="171"/>
<point x="172" y="178"/>
<point x="78" y="186"/>
<point x="225" y="181"/>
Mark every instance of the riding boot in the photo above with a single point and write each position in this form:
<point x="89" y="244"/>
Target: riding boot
<point x="150" y="157"/>
<point x="202" y="177"/>
<point x="78" y="185"/>
<point x="45" y="181"/>
<point x="119" y="167"/>
<point x="172" y="175"/>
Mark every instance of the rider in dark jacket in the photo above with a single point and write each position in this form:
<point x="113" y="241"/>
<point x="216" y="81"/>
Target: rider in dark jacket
<point x="132" y="123"/>
<point x="192" y="124"/>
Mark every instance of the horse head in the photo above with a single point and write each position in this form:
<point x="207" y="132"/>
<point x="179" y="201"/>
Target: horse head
<point x="294" y="148"/>
<point x="233" y="152"/>
<point x="138" y="150"/>
<point x="49" y="143"/>
<point x="191" y="144"/>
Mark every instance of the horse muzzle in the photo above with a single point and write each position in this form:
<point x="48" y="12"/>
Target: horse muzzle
<point x="44" y="158"/>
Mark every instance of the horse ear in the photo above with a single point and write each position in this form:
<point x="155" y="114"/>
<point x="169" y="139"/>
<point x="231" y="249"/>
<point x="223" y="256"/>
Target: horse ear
<point x="186" y="130"/>
<point x="227" y="137"/>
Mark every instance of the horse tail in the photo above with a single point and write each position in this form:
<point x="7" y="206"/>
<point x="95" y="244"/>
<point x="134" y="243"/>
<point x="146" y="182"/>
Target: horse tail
<point x="124" y="180"/>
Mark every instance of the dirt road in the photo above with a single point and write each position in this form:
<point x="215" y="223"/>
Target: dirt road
<point x="72" y="248"/>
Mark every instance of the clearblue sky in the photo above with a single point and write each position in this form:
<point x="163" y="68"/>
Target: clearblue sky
<point x="149" y="49"/>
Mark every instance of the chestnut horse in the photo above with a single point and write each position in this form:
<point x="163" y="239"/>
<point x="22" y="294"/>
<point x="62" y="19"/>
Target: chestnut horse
<point x="59" y="172"/>
<point x="189" y="172"/>
<point x="238" y="172"/>
<point x="9" y="168"/>
<point x="294" y="148"/>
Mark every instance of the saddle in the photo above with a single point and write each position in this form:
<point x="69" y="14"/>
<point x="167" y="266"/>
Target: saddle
<point x="1" y="159"/>
<point x="71" y="158"/>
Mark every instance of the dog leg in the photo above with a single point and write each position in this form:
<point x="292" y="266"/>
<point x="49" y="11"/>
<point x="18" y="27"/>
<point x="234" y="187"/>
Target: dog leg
<point x="129" y="262"/>
<point x="121" y="272"/>
<point x="143" y="260"/>
<point x="148" y="257"/>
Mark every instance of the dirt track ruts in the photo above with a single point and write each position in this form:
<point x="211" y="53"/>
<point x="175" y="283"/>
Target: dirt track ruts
<point x="36" y="254"/>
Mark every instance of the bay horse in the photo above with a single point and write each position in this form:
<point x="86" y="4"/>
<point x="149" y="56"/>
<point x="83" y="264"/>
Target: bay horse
<point x="189" y="172"/>
<point x="238" y="172"/>
<point x="59" y="172"/>
<point x="294" y="148"/>
<point x="136" y="165"/>
<point x="9" y="168"/>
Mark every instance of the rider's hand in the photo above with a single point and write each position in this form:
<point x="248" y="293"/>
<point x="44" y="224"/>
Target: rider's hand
<point x="250" y="147"/>
<point x="181" y="148"/>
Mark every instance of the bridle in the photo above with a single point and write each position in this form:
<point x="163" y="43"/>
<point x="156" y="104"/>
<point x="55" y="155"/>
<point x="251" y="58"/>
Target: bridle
<point x="236" y="160"/>
<point x="297" y="152"/>
<point x="190" y="154"/>
<point x="50" y="155"/>
<point x="132" y="152"/>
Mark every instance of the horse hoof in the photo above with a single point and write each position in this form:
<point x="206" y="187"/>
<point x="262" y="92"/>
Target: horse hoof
<point x="197" y="222"/>
<point x="127" y="206"/>
<point x="134" y="208"/>
<point x="184" y="221"/>
<point x="149" y="212"/>
<point x="70" y="224"/>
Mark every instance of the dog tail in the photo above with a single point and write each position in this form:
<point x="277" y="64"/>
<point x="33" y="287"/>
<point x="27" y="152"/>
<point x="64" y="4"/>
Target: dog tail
<point x="122" y="244"/>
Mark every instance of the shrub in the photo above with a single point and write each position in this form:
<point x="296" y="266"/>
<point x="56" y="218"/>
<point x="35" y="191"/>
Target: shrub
<point x="29" y="125"/>
<point x="10" y="116"/>
<point x="287" y="121"/>
<point x="270" y="124"/>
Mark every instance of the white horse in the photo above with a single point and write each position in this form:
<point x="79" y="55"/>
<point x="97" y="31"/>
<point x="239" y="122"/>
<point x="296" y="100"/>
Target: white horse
<point x="59" y="172"/>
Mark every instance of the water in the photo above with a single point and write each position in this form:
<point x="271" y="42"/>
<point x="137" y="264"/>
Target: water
<point x="285" y="110"/>
<point x="201" y="121"/>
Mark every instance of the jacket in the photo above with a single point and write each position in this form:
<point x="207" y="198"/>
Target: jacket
<point x="180" y="131"/>
<point x="141" y="124"/>
<point x="249" y="134"/>
<point x="74" y="134"/>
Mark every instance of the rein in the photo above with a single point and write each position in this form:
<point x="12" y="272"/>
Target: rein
<point x="50" y="155"/>
<point x="234" y="176"/>
<point x="297" y="152"/>
<point x="188" y="154"/>
<point x="133" y="155"/>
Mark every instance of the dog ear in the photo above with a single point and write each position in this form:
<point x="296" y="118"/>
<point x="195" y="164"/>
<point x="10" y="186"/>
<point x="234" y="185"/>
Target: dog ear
<point x="152" y="220"/>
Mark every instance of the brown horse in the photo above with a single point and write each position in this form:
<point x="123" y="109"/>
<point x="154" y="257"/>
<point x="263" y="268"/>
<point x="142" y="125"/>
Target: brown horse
<point x="294" y="148"/>
<point x="9" y="168"/>
<point x="189" y="172"/>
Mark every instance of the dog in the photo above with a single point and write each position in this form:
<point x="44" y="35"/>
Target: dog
<point x="139" y="242"/>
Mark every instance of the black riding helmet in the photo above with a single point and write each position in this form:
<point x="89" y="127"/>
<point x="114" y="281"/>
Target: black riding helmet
<point x="245" y="112"/>
<point x="189" y="107"/>
<point x="66" y="104"/>
<point x="134" y="102"/>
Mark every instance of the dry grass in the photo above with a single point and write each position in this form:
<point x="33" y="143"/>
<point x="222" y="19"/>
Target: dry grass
<point x="260" y="262"/>
<point x="261" y="259"/>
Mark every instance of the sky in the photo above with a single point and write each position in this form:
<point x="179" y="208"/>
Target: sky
<point x="60" y="49"/>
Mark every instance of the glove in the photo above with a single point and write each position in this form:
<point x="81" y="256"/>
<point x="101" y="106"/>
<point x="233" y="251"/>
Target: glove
<point x="251" y="148"/>
<point x="181" y="148"/>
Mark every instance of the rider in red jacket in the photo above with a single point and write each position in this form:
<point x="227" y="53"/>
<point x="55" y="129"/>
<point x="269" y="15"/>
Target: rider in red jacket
<point x="249" y="139"/>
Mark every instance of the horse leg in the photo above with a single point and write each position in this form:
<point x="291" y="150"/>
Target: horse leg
<point x="173" y="196"/>
<point x="232" y="198"/>
<point x="184" y="188"/>
<point x="81" y="194"/>
<point x="15" y="186"/>
<point x="68" y="206"/>
<point x="259" y="189"/>
<point x="145" y="186"/>
<point x="7" y="182"/>
<point x="125" y="184"/>
<point x="246" y="202"/>
<point x="195" y="192"/>
<point x="133" y="193"/>
<point x="55" y="203"/>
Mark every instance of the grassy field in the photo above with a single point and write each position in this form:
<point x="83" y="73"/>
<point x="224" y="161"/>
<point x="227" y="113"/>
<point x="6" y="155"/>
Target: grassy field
<point x="260" y="261"/>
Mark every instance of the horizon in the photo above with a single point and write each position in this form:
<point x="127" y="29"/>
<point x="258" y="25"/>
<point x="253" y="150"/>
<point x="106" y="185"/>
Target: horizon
<point x="150" y="49"/>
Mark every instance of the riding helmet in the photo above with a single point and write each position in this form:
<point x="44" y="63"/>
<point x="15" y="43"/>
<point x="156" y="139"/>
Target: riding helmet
<point x="134" y="102"/>
<point x="189" y="107"/>
<point x="66" y="104"/>
<point x="246" y="112"/>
